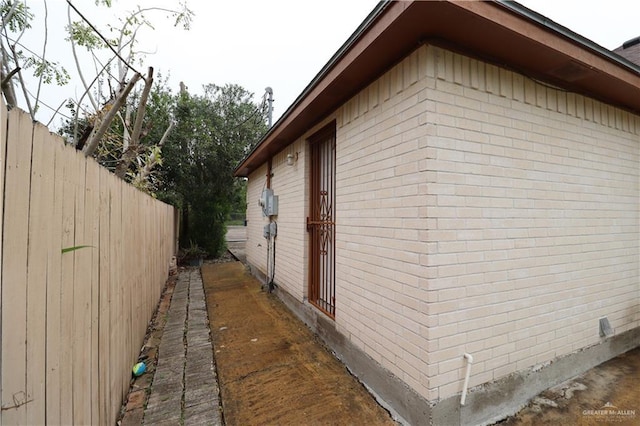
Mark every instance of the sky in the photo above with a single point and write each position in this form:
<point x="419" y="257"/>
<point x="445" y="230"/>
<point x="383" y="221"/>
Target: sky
<point x="280" y="44"/>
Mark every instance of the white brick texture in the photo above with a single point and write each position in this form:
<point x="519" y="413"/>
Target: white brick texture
<point x="477" y="211"/>
<point x="534" y="194"/>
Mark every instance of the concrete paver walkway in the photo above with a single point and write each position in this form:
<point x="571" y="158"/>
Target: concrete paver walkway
<point x="183" y="389"/>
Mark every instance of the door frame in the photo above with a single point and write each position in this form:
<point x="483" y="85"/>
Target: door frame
<point x="321" y="224"/>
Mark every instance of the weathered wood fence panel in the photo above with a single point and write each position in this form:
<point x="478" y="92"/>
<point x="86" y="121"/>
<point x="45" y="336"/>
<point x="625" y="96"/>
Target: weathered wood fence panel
<point x="14" y="269"/>
<point x="72" y="321"/>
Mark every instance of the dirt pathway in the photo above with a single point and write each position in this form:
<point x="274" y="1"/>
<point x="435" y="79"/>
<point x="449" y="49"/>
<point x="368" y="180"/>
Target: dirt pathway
<point x="608" y="394"/>
<point x="271" y="368"/>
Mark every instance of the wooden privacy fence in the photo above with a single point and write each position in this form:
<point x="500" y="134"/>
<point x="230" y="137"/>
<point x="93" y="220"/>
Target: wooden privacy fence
<point x="72" y="320"/>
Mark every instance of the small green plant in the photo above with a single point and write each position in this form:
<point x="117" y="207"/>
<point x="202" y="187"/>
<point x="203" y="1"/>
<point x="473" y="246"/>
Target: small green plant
<point x="193" y="253"/>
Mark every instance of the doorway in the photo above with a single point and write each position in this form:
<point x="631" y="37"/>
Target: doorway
<point x="321" y="221"/>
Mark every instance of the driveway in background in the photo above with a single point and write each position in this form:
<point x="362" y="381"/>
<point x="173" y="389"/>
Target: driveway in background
<point x="237" y="241"/>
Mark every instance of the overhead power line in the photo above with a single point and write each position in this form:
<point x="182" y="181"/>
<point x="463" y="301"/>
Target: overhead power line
<point x="115" y="52"/>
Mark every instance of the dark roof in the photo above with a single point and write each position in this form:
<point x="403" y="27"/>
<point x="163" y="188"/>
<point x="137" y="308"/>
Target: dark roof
<point x="630" y="50"/>
<point x="504" y="33"/>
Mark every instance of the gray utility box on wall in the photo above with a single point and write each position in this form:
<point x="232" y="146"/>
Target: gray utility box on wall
<point x="269" y="203"/>
<point x="270" y="230"/>
<point x="272" y="206"/>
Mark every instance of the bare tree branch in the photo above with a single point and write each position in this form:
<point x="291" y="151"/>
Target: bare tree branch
<point x="56" y="112"/>
<point x="142" y="107"/>
<point x="76" y="140"/>
<point x="5" y="79"/>
<point x="145" y="171"/>
<point x="44" y="52"/>
<point x="22" y="84"/>
<point x="7" y="86"/>
<point x="108" y="118"/>
<point x="131" y="151"/>
<point x="87" y="89"/>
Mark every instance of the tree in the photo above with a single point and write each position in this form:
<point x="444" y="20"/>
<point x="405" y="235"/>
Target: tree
<point x="157" y="123"/>
<point x="16" y="20"/>
<point x="212" y="134"/>
<point x="181" y="147"/>
<point x="105" y="121"/>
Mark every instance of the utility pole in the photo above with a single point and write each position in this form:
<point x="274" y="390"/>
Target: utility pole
<point x="269" y="96"/>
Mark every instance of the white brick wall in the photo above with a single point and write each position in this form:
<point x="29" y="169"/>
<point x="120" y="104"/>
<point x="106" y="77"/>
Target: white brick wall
<point x="535" y="196"/>
<point x="288" y="182"/>
<point x="381" y="295"/>
<point x="477" y="211"/>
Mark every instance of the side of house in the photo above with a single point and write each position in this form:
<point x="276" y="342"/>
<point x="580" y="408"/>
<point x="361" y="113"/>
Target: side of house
<point x="469" y="209"/>
<point x="533" y="208"/>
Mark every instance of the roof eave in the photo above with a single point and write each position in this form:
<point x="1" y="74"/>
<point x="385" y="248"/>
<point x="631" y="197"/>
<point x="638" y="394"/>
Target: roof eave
<point x="512" y="36"/>
<point x="363" y="27"/>
<point x="565" y="32"/>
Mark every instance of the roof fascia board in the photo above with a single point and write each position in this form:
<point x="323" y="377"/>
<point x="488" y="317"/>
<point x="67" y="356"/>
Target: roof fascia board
<point x="352" y="48"/>
<point x="575" y="37"/>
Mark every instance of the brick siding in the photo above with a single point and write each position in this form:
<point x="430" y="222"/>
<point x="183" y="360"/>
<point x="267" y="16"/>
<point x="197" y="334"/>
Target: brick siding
<point x="481" y="211"/>
<point x="478" y="211"/>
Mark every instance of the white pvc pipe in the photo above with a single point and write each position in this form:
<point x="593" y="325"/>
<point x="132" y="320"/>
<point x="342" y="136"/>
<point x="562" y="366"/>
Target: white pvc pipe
<point x="469" y="359"/>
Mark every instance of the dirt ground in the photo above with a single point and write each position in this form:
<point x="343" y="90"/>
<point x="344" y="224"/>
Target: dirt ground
<point x="606" y="395"/>
<point x="271" y="368"/>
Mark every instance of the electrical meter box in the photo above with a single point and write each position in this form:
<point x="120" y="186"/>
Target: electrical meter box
<point x="269" y="203"/>
<point x="272" y="206"/>
<point x="270" y="230"/>
<point x="264" y="199"/>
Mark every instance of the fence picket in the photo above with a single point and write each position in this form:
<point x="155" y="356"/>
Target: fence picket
<point x="116" y="345"/>
<point x="40" y="208"/>
<point x="14" y="269"/>
<point x="82" y="296"/>
<point x="92" y="227"/>
<point x="104" y="302"/>
<point x="54" y="289"/>
<point x="67" y="305"/>
<point x="3" y="160"/>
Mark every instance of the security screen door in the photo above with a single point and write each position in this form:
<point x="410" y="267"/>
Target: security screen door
<point x="321" y="223"/>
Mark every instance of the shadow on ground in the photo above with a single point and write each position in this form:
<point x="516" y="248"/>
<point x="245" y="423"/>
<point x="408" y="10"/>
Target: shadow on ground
<point x="271" y="368"/>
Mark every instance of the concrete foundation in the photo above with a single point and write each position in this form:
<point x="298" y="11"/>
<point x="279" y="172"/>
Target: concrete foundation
<point x="496" y="400"/>
<point x="485" y="404"/>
